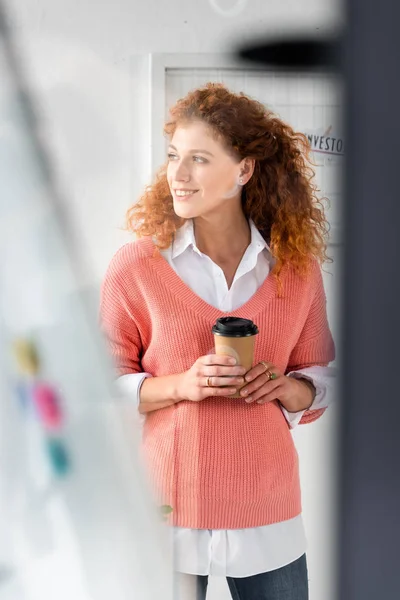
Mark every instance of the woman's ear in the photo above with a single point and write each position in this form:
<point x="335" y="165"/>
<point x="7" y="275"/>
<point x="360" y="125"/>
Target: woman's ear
<point x="246" y="169"/>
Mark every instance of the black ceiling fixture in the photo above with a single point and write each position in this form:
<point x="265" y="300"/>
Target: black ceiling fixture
<point x="301" y="54"/>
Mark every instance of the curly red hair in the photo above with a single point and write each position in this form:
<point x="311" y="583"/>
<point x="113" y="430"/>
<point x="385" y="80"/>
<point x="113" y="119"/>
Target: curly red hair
<point x="281" y="196"/>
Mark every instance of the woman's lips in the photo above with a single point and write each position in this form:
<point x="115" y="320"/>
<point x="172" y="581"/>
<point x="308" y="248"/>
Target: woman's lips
<point x="184" y="194"/>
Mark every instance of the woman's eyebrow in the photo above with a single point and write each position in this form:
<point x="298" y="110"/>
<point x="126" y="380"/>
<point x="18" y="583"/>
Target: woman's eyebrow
<point x="193" y="151"/>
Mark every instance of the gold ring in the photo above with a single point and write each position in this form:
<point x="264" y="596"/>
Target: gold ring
<point x="208" y="381"/>
<point x="270" y="374"/>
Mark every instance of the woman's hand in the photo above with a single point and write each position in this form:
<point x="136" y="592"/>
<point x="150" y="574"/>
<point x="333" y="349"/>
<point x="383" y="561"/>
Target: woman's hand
<point x="266" y="383"/>
<point x="207" y="376"/>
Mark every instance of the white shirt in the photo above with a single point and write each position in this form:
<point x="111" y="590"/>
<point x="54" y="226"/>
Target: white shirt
<point x="234" y="552"/>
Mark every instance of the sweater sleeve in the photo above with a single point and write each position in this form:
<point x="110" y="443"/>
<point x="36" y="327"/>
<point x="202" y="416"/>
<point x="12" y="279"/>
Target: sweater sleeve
<point x="315" y="345"/>
<point x="117" y="321"/>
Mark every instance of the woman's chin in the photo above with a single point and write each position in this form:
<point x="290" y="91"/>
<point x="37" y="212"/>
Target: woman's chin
<point x="184" y="211"/>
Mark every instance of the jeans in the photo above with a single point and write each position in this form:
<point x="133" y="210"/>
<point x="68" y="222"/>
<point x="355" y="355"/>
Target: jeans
<point x="287" y="583"/>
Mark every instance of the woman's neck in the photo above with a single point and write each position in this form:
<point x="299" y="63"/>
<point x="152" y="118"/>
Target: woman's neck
<point x="224" y="240"/>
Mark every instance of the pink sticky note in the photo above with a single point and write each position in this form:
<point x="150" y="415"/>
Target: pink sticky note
<point x="47" y="405"/>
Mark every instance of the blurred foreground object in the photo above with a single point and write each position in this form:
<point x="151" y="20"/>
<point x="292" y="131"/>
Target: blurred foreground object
<point x="41" y="402"/>
<point x="94" y="533"/>
<point x="369" y="494"/>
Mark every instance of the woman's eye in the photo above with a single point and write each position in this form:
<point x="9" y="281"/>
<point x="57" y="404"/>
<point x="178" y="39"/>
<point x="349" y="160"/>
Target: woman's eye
<point x="197" y="159"/>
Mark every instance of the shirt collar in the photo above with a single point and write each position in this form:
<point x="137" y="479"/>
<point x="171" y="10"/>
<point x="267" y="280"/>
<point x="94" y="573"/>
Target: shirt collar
<point x="184" y="239"/>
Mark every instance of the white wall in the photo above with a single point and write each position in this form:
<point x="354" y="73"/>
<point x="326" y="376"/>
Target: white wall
<point x="80" y="58"/>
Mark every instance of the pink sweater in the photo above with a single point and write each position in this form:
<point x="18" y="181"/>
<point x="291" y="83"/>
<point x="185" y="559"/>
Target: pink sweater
<point x="220" y="463"/>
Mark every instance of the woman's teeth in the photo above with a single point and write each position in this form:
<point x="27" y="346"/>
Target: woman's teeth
<point x="182" y="193"/>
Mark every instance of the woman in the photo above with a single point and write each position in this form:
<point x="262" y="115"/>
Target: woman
<point x="231" y="226"/>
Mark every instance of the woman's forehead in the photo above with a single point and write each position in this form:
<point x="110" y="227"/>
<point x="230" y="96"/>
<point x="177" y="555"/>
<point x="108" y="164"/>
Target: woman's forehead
<point x="196" y="135"/>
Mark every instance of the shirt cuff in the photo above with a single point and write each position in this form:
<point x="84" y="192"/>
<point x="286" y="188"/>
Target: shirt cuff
<point x="129" y="385"/>
<point x="323" y="379"/>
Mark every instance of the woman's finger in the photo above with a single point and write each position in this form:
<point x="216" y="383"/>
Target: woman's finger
<point x="270" y="394"/>
<point x="221" y="391"/>
<point x="260" y="387"/>
<point x="261" y="368"/>
<point x="223" y="371"/>
<point x="213" y="381"/>
<point x="266" y="399"/>
<point x="217" y="359"/>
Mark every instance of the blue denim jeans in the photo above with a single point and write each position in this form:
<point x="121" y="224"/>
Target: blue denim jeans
<point x="287" y="583"/>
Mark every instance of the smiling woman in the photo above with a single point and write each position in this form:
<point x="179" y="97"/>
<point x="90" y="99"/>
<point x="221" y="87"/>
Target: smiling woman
<point x="230" y="226"/>
<point x="249" y="159"/>
<point x="207" y="176"/>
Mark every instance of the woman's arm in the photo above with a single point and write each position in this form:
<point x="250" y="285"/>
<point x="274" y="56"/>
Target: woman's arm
<point x="266" y="383"/>
<point x="210" y="375"/>
<point x="323" y="380"/>
<point x="154" y="393"/>
<point x="315" y="347"/>
<point x="158" y="392"/>
<point x="117" y="321"/>
<point x="117" y="318"/>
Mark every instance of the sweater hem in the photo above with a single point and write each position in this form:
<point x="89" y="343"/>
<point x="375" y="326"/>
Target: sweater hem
<point x="220" y="514"/>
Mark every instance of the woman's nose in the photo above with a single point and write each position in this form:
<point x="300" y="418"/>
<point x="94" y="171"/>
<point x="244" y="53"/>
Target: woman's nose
<point x="182" y="172"/>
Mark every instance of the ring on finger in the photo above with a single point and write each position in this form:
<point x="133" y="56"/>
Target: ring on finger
<point x="272" y="374"/>
<point x="269" y="373"/>
<point x="208" y="382"/>
<point x="265" y="365"/>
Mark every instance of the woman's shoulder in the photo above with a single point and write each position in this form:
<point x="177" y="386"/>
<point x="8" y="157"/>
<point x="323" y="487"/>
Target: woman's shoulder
<point x="309" y="277"/>
<point x="131" y="255"/>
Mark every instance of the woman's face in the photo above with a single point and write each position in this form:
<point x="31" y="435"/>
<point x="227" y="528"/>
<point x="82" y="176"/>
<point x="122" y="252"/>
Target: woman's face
<point x="202" y="176"/>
